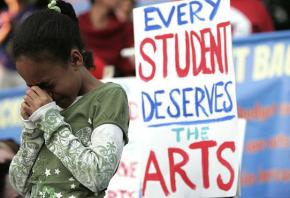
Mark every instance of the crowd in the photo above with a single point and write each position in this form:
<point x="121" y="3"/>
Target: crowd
<point x="107" y="29"/>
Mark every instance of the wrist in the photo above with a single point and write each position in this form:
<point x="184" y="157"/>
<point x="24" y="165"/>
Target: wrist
<point x="28" y="124"/>
<point x="40" y="112"/>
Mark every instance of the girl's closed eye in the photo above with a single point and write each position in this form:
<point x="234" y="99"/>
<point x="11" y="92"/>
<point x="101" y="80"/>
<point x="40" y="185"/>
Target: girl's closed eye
<point x="46" y="86"/>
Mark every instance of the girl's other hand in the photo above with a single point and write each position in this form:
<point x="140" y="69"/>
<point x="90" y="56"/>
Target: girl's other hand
<point x="35" y="98"/>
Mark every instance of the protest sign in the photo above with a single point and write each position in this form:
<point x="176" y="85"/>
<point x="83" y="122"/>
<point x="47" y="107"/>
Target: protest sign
<point x="187" y="99"/>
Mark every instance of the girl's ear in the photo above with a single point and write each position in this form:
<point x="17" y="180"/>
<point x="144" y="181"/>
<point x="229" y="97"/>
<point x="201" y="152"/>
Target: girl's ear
<point x="77" y="60"/>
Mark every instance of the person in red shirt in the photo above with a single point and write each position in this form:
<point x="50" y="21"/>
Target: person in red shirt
<point x="106" y="37"/>
<point x="249" y="16"/>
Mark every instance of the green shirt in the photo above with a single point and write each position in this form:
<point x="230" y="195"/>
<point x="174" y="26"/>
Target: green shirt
<point x="58" y="159"/>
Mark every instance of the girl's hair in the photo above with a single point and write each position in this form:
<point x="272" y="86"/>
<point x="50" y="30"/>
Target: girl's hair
<point x="47" y="33"/>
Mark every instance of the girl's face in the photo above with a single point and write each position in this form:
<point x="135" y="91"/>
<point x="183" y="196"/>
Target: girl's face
<point x="61" y="81"/>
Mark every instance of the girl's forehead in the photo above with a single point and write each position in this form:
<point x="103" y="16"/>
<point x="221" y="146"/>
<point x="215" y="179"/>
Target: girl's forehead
<point x="35" y="73"/>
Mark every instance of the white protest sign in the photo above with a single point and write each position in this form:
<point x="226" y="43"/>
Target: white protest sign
<point x="126" y="181"/>
<point x="187" y="99"/>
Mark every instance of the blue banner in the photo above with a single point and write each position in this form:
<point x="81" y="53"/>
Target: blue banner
<point x="263" y="92"/>
<point x="10" y="121"/>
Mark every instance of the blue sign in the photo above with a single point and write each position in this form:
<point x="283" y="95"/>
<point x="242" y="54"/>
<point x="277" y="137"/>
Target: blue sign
<point x="263" y="92"/>
<point x="10" y="119"/>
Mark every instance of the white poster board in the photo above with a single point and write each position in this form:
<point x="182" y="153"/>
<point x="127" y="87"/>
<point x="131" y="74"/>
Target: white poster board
<point x="187" y="99"/>
<point x="126" y="181"/>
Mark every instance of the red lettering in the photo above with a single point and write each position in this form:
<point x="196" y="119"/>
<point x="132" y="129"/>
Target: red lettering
<point x="204" y="146"/>
<point x="255" y="146"/>
<point x="154" y="176"/>
<point x="125" y="193"/>
<point x="122" y="170"/>
<point x="196" y="69"/>
<point x="211" y="48"/>
<point x="177" y="168"/>
<point x="248" y="179"/>
<point x="133" y="169"/>
<point x="127" y="170"/>
<point x="111" y="194"/>
<point x="182" y="72"/>
<point x="147" y="59"/>
<point x="120" y="194"/>
<point x="205" y="50"/>
<point x="164" y="49"/>
<point x="223" y="26"/>
<point x="221" y="184"/>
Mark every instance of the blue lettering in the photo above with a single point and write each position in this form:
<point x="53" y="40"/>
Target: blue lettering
<point x="158" y="104"/>
<point x="215" y="6"/>
<point x="193" y="13"/>
<point x="177" y="114"/>
<point x="204" y="131"/>
<point x="148" y="117"/>
<point x="193" y="133"/>
<point x="210" y="98"/>
<point x="230" y="107"/>
<point x="166" y="23"/>
<point x="178" y="131"/>
<point x="185" y="12"/>
<point x="185" y="102"/>
<point x="199" y="96"/>
<point x="217" y="95"/>
<point x="180" y="14"/>
<point x="147" y="11"/>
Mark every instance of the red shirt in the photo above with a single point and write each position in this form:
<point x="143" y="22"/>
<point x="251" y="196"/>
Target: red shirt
<point x="250" y="16"/>
<point x="108" y="42"/>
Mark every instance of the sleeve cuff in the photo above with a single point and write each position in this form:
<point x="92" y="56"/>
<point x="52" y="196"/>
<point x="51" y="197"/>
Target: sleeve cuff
<point x="28" y="124"/>
<point x="40" y="112"/>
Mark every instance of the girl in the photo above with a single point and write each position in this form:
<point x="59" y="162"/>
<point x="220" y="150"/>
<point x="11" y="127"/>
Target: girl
<point x="75" y="126"/>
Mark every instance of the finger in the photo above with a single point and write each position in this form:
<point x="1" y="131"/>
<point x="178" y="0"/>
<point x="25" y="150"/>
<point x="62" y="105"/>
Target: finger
<point x="42" y="93"/>
<point x="32" y="94"/>
<point x="24" y="114"/>
<point x="28" y="100"/>
<point x="26" y="109"/>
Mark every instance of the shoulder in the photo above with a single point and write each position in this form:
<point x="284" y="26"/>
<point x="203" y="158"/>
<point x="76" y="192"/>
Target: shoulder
<point x="108" y="91"/>
<point x="112" y="108"/>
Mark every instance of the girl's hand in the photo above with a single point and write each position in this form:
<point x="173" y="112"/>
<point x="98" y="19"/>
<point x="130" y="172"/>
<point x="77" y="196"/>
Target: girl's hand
<point x="34" y="99"/>
<point x="23" y="113"/>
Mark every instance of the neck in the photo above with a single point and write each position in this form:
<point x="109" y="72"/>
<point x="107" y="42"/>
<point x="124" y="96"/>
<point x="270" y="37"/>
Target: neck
<point x="89" y="82"/>
<point x="99" y="15"/>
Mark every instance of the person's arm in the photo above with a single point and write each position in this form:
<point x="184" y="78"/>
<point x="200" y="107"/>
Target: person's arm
<point x="5" y="27"/>
<point x="92" y="166"/>
<point x="23" y="161"/>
